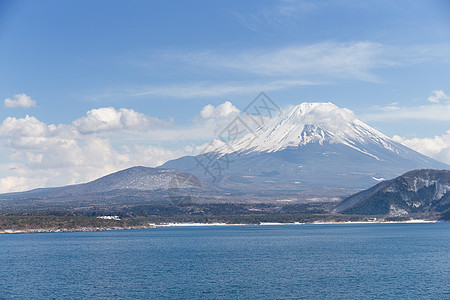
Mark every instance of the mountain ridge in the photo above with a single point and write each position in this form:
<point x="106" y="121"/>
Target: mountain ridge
<point x="317" y="149"/>
<point x="417" y="191"/>
<point x="306" y="123"/>
<point x="138" y="178"/>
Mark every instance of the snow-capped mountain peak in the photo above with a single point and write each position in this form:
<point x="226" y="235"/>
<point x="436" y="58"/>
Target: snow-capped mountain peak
<point x="308" y="150"/>
<point x="311" y="123"/>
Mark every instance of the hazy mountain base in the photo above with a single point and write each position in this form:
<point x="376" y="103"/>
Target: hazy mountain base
<point x="142" y="186"/>
<point x="116" y="200"/>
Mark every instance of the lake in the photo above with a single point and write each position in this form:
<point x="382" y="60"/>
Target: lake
<point x="338" y="261"/>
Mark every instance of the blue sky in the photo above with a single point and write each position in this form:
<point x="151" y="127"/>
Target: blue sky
<point x="89" y="87"/>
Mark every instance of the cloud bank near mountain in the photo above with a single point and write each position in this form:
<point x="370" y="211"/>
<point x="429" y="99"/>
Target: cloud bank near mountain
<point x="106" y="139"/>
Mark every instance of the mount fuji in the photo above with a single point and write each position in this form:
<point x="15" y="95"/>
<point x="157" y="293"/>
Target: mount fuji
<point x="312" y="151"/>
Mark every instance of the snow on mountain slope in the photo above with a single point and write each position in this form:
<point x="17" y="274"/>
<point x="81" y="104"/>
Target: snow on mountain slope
<point x="312" y="123"/>
<point x="135" y="178"/>
<point x="310" y="149"/>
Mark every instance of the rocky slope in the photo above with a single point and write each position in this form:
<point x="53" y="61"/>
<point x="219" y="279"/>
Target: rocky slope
<point x="418" y="191"/>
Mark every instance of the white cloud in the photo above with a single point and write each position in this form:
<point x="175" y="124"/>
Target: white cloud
<point x="105" y="140"/>
<point x="210" y="121"/>
<point x="341" y="60"/>
<point x="223" y="110"/>
<point x="154" y="155"/>
<point x="326" y="60"/>
<point x="437" y="147"/>
<point x="329" y="115"/>
<point x="16" y="184"/>
<point x="390" y="107"/>
<point x="54" y="161"/>
<point x="214" y="121"/>
<point x="107" y="119"/>
<point x="281" y="68"/>
<point x="19" y="100"/>
<point x="269" y="69"/>
<point x="331" y="59"/>
<point x="438" y="96"/>
<point x="28" y="126"/>
<point x="77" y="162"/>
<point x="30" y="133"/>
<point x="438" y="112"/>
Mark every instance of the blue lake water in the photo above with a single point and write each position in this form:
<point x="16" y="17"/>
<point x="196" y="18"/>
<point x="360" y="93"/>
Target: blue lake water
<point x="357" y="261"/>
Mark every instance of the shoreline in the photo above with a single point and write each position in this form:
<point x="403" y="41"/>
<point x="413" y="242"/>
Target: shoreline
<point x="416" y="221"/>
<point x="154" y="226"/>
<point x="83" y="229"/>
